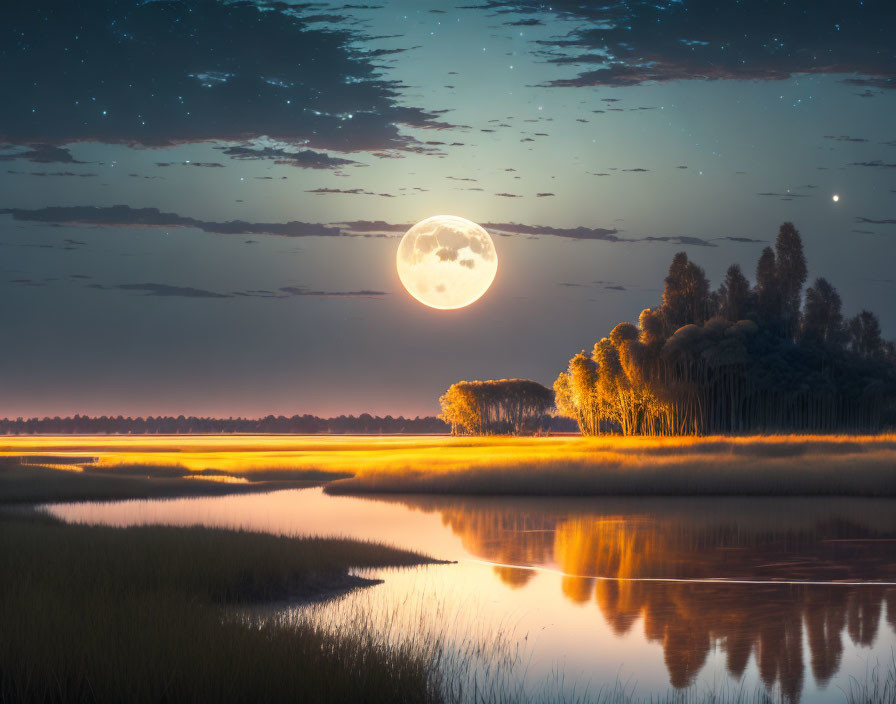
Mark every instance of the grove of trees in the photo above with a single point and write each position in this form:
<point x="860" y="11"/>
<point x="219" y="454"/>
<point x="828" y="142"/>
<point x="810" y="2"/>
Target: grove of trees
<point x="762" y="358"/>
<point x="497" y="406"/>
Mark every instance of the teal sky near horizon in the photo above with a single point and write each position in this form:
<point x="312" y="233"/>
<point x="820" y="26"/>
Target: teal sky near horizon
<point x="325" y="130"/>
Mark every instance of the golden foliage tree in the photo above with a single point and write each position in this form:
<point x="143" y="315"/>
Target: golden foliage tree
<point x="514" y="406"/>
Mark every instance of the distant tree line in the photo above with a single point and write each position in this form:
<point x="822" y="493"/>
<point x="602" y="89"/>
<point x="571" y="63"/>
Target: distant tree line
<point x="364" y="424"/>
<point x="171" y="425"/>
<point x="497" y="406"/>
<point x="744" y="358"/>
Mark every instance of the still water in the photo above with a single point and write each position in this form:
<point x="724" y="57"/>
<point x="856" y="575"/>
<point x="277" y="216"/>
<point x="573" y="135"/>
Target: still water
<point x="589" y="595"/>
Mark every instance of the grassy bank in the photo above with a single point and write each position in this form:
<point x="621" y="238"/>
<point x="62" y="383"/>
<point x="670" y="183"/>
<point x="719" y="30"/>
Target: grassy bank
<point x="38" y="483"/>
<point x="145" y="467"/>
<point x="756" y="466"/>
<point x="141" y="615"/>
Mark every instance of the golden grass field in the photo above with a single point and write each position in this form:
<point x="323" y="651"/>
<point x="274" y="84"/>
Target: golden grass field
<point x="786" y="464"/>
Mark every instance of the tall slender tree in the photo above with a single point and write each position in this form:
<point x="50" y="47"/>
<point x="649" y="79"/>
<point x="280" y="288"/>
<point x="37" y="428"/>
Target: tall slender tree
<point x="768" y="294"/>
<point x="734" y="295"/>
<point x="791" y="273"/>
<point x="686" y="295"/>
<point x="864" y="335"/>
<point x="822" y="316"/>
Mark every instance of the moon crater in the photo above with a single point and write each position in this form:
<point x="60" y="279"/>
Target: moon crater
<point x="446" y="261"/>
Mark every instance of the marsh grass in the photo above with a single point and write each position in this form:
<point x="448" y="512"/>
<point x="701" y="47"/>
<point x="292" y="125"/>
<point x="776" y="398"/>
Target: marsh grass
<point x="877" y="687"/>
<point x="104" y="614"/>
<point x="859" y="465"/>
<point x="761" y="466"/>
<point x="54" y="481"/>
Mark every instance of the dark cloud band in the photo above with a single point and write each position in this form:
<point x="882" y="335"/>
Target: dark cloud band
<point x="171" y="71"/>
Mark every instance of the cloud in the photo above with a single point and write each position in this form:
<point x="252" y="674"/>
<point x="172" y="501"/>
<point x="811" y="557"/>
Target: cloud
<point x="167" y="73"/>
<point x="608" y="285"/>
<point x="575" y="233"/>
<point x="375" y="226"/>
<point x="125" y="216"/>
<point x="508" y="195"/>
<point x="676" y="239"/>
<point x="205" y="164"/>
<point x="348" y="191"/>
<point x="739" y="239"/>
<point x="657" y="41"/>
<point x="883" y="83"/>
<point x="844" y="138"/>
<point x="544" y="195"/>
<point x="786" y="196"/>
<point x="887" y="221"/>
<point x="303" y="159"/>
<point x="877" y="163"/>
<point x="43" y="154"/>
<point x="164" y="290"/>
<point x="300" y="291"/>
<point x="50" y="173"/>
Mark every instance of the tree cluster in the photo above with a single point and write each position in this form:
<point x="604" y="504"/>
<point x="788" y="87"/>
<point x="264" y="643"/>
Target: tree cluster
<point x="497" y="406"/>
<point x="762" y="358"/>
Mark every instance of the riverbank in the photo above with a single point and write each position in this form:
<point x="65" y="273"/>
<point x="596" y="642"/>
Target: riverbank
<point x="146" y="614"/>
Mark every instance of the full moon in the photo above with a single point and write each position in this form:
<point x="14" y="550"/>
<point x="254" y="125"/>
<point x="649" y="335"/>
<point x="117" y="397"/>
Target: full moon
<point x="446" y="262"/>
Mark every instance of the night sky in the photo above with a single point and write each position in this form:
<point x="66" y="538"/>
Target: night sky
<point x="200" y="202"/>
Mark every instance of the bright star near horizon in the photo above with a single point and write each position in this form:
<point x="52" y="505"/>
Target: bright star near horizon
<point x="835" y="198"/>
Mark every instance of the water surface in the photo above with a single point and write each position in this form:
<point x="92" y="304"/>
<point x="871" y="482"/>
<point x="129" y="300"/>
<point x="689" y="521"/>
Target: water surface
<point x="794" y="595"/>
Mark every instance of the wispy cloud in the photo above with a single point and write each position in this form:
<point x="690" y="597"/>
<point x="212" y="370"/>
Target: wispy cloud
<point x="124" y="216"/>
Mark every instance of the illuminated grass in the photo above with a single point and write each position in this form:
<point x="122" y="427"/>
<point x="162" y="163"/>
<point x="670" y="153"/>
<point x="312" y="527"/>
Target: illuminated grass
<point x="711" y="466"/>
<point x="783" y="465"/>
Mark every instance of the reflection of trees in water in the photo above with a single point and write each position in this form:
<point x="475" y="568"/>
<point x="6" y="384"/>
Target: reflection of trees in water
<point x="687" y="618"/>
<point x="484" y="532"/>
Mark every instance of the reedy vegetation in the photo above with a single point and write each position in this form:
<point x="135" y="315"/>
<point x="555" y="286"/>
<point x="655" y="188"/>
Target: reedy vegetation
<point x="740" y="359"/>
<point x="98" y="614"/>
